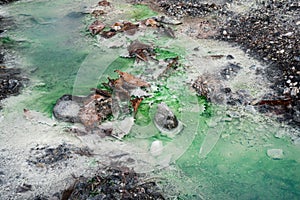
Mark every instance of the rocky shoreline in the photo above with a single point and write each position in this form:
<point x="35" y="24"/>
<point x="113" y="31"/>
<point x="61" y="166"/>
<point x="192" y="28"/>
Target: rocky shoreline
<point x="271" y="33"/>
<point x="11" y="79"/>
<point x="268" y="31"/>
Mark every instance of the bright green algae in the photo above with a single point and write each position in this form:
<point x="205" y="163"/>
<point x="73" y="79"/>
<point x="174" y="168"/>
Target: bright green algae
<point x="140" y="12"/>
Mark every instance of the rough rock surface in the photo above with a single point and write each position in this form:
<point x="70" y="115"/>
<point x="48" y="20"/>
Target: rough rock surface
<point x="2" y="2"/>
<point x="183" y="8"/>
<point x="216" y="91"/>
<point x="11" y="82"/>
<point x="165" y="120"/>
<point x="67" y="109"/>
<point x="90" y="110"/>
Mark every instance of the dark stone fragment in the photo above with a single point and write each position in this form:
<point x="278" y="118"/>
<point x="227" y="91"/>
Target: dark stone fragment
<point x="240" y="97"/>
<point x="226" y="90"/>
<point x="172" y="122"/>
<point x="229" y="57"/>
<point x="230" y="71"/>
<point x="23" y="188"/>
<point x="41" y="197"/>
<point x="165" y="118"/>
<point x="1" y="56"/>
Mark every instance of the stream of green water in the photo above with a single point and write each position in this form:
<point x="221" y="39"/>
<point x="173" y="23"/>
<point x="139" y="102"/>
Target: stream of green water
<point x="58" y="48"/>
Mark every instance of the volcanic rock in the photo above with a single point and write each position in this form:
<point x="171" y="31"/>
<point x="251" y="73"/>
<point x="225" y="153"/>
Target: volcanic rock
<point x="166" y="121"/>
<point x="66" y="109"/>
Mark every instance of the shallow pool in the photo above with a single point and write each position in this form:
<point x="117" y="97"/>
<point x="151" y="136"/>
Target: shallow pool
<point x="222" y="153"/>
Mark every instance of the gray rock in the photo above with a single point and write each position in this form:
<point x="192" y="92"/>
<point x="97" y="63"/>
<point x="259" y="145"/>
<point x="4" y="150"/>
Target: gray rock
<point x="166" y="121"/>
<point x="66" y="109"/>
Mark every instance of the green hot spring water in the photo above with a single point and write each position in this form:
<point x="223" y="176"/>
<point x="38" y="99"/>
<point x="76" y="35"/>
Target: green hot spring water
<point x="62" y="57"/>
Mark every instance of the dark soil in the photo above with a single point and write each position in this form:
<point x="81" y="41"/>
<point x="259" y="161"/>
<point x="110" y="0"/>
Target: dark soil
<point x="271" y="33"/>
<point x="2" y="2"/>
<point x="113" y="183"/>
<point x="107" y="183"/>
<point x="184" y="8"/>
<point x="46" y="156"/>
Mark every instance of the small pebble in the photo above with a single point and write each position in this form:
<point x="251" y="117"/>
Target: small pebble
<point x="288" y="34"/>
<point x="275" y="154"/>
<point x="229" y="57"/>
<point x="156" y="148"/>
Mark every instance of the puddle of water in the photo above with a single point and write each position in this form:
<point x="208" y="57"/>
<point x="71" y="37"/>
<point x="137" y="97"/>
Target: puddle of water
<point x="233" y="162"/>
<point x="238" y="166"/>
<point x="55" y="33"/>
